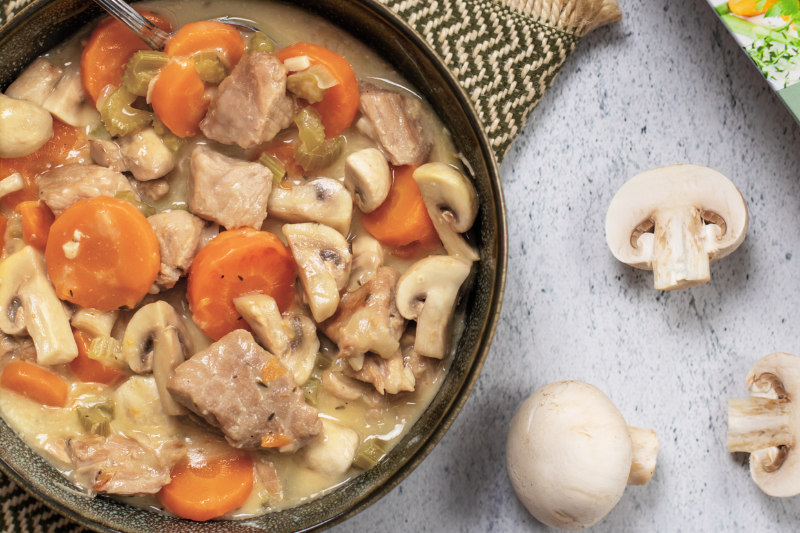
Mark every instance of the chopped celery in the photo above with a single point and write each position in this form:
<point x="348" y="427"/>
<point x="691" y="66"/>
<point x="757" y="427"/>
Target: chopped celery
<point x="369" y="455"/>
<point x="130" y="196"/>
<point x="178" y="206"/>
<point x="312" y="132"/>
<point x="324" y="360"/>
<point x="108" y="351"/>
<point x="96" y="419"/>
<point x="118" y="115"/>
<point x="209" y="67"/>
<point x="311" y="84"/>
<point x="325" y="154"/>
<point x="141" y="69"/>
<point x="310" y="390"/>
<point x="274" y="166"/>
<point x="100" y="132"/>
<point x="171" y="141"/>
<point x="260" y="43"/>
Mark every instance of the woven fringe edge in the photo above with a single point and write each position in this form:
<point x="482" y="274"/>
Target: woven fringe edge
<point x="578" y="17"/>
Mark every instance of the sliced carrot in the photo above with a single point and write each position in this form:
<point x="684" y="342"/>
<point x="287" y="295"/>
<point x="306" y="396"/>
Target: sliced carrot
<point x="207" y="35"/>
<point x="235" y="263"/>
<point x="67" y="145"/>
<point x="111" y="256"/>
<point x="90" y="370"/>
<point x="272" y="370"/>
<point x="423" y="246"/>
<point x="275" y="441"/>
<point x="36" y="221"/>
<point x="178" y="98"/>
<point x="108" y="51"/>
<point x="36" y="383"/>
<point x="205" y="488"/>
<point x="340" y="105"/>
<point x="749" y="8"/>
<point x="402" y="218"/>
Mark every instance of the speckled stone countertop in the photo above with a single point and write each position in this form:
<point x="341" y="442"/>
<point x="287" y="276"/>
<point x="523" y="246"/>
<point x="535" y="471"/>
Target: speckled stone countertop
<point x="665" y="85"/>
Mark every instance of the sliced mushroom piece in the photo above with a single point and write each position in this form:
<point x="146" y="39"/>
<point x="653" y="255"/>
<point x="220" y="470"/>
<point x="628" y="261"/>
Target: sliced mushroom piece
<point x="343" y="387"/>
<point x="157" y="341"/>
<point x="696" y="216"/>
<point x="68" y="102"/>
<point x="427" y="293"/>
<point x="367" y="177"/>
<point x="367" y="259"/>
<point x="323" y="200"/>
<point x="94" y="322"/>
<point x="24" y="127"/>
<point x="323" y="259"/>
<point x="28" y="304"/>
<point x="452" y="204"/>
<point x="36" y="82"/>
<point x="332" y="452"/>
<point x="765" y="424"/>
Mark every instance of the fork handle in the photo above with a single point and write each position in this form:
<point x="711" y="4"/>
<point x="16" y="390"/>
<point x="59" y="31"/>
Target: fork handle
<point x="152" y="35"/>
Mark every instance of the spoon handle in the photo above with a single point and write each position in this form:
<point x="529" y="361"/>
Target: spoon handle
<point x="151" y="34"/>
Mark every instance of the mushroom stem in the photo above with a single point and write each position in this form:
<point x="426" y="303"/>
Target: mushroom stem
<point x="645" y="451"/>
<point x="758" y="423"/>
<point x="680" y="259"/>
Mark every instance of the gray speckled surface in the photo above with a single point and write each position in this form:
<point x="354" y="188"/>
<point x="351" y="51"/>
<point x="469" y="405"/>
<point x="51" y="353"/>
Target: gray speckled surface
<point x="666" y="85"/>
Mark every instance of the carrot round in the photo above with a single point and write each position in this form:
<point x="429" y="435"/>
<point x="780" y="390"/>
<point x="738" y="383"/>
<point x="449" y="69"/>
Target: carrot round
<point x="402" y="218"/>
<point x="749" y="8"/>
<point x="207" y="35"/>
<point x="111" y="255"/>
<point x="36" y="383"/>
<point x="178" y="98"/>
<point x="205" y="488"/>
<point x="235" y="263"/>
<point x="90" y="370"/>
<point x="36" y="221"/>
<point x="108" y="51"/>
<point x="67" y="145"/>
<point x="340" y="105"/>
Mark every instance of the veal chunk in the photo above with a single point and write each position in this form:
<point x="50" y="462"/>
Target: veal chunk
<point x="391" y="375"/>
<point x="230" y="192"/>
<point x="251" y="105"/>
<point x="178" y="234"/>
<point x="244" y="390"/>
<point x="63" y="186"/>
<point x="397" y="124"/>
<point x="367" y="319"/>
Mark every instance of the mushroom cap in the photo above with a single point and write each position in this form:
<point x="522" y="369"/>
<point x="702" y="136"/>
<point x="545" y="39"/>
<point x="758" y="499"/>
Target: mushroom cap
<point x="784" y="481"/>
<point x="322" y="200"/>
<point x="367" y="177"/>
<point x="451" y="192"/>
<point x="569" y="454"/>
<point x="670" y="187"/>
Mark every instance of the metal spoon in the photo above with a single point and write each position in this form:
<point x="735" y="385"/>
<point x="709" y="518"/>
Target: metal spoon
<point x="152" y="35"/>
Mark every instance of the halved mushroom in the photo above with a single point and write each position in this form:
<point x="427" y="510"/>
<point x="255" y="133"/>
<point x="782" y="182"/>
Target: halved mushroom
<point x="367" y="177"/>
<point x="323" y="200"/>
<point x="292" y="338"/>
<point x="94" y="322"/>
<point x="367" y="259"/>
<point x="24" y="127"/>
<point x="675" y="220"/>
<point x="452" y="204"/>
<point x="427" y="293"/>
<point x="68" y="102"/>
<point x="764" y="425"/>
<point x="28" y="304"/>
<point x="323" y="259"/>
<point x="157" y="341"/>
<point x="36" y="82"/>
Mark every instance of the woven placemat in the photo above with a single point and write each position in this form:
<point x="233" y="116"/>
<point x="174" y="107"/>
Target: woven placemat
<point x="505" y="53"/>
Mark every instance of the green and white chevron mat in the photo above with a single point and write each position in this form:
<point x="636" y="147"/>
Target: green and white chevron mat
<point x="505" y="53"/>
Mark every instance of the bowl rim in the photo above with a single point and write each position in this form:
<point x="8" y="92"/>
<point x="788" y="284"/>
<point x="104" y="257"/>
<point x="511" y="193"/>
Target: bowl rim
<point x="389" y="17"/>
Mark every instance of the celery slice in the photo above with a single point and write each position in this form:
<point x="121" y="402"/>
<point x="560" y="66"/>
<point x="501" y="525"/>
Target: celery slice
<point x="260" y="43"/>
<point x="96" y="419"/>
<point x="130" y="196"/>
<point x="171" y="141"/>
<point x="324" y="155"/>
<point x="141" y="69"/>
<point x="310" y="390"/>
<point x="324" y="360"/>
<point x="312" y="132"/>
<point x="209" y="67"/>
<point x="369" y="455"/>
<point x="119" y="117"/>
<point x="274" y="166"/>
<point x="108" y="351"/>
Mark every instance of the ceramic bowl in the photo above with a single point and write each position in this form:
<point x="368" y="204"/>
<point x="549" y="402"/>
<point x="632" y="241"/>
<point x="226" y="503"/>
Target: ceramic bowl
<point x="44" y="23"/>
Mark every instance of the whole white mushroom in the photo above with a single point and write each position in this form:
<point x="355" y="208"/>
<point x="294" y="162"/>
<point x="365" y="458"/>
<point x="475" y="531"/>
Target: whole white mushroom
<point x="570" y="455"/>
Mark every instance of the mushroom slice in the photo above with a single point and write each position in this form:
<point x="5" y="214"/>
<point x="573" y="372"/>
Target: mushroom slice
<point x="427" y="293"/>
<point x="68" y="102"/>
<point x="367" y="177"/>
<point x="157" y="341"/>
<point x="94" y="322"/>
<point x="332" y="452"/>
<point x="28" y="303"/>
<point x="323" y="259"/>
<point x="696" y="214"/>
<point x="323" y="200"/>
<point x="452" y="204"/>
<point x="367" y="259"/>
<point x="764" y="424"/>
<point x="36" y="82"/>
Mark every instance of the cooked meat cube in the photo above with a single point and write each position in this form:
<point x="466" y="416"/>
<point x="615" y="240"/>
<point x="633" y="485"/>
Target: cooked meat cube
<point x="367" y="319"/>
<point x="146" y="155"/>
<point x="178" y="235"/>
<point x="119" y="465"/>
<point x="63" y="186"/>
<point x="230" y="192"/>
<point x="387" y="375"/>
<point x="107" y="154"/>
<point x="244" y="390"/>
<point x="397" y="123"/>
<point x="251" y="105"/>
<point x="36" y="82"/>
<point x="152" y="190"/>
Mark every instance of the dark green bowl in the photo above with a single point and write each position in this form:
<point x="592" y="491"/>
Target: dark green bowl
<point x="45" y="23"/>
